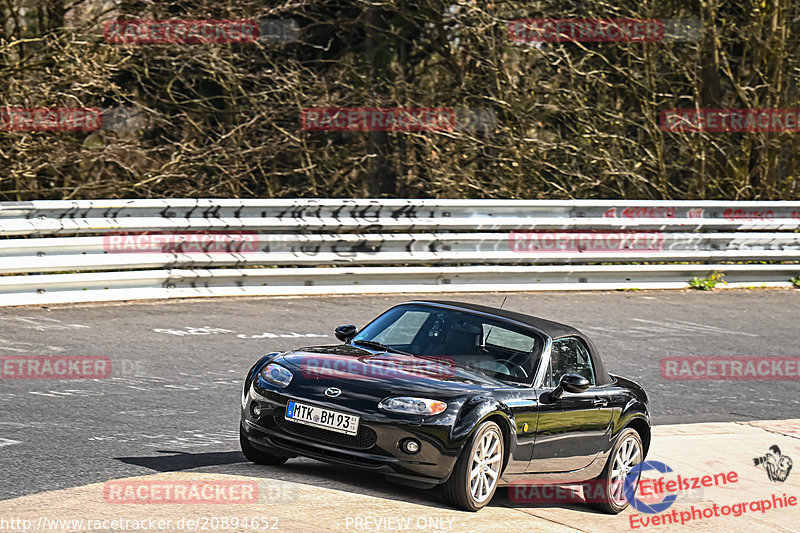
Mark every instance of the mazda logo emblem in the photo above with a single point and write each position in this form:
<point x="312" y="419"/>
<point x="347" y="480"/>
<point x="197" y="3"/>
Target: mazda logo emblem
<point x="333" y="392"/>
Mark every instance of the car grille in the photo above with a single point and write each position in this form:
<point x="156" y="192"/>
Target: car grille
<point x="338" y="456"/>
<point x="363" y="440"/>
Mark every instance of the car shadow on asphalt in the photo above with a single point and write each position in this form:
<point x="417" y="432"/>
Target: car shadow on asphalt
<point x="322" y="475"/>
<point x="174" y="461"/>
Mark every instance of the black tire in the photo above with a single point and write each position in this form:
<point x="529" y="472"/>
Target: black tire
<point x="258" y="456"/>
<point x="458" y="490"/>
<point x="598" y="492"/>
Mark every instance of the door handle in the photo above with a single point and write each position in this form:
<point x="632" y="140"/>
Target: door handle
<point x="601" y="402"/>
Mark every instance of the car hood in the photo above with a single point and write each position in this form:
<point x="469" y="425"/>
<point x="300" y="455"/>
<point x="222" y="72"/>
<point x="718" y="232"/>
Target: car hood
<point x="382" y="373"/>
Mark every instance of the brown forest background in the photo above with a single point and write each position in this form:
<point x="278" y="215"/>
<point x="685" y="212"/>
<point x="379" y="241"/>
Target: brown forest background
<point x="574" y="120"/>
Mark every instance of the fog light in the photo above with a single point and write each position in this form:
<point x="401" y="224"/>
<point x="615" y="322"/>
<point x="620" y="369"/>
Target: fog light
<point x="256" y="410"/>
<point x="410" y="446"/>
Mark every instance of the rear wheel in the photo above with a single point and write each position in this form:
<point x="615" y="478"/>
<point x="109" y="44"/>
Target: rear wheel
<point x="474" y="478"/>
<point x="257" y="456"/>
<point x="606" y="493"/>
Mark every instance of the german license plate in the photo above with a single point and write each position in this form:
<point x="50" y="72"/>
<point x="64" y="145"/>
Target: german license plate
<point x="322" y="418"/>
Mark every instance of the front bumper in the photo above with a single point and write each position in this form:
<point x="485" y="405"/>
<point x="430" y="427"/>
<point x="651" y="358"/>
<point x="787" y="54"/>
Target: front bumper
<point x="375" y="448"/>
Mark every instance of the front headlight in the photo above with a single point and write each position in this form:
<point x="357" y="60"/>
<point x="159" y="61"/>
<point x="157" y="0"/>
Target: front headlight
<point x="276" y="374"/>
<point x="412" y="406"/>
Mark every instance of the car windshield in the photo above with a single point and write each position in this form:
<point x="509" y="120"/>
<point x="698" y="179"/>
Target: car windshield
<point x="490" y="346"/>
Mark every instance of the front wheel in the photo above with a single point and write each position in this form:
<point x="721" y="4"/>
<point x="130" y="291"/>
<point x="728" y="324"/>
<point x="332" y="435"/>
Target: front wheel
<point x="257" y="456"/>
<point x="606" y="493"/>
<point x="477" y="471"/>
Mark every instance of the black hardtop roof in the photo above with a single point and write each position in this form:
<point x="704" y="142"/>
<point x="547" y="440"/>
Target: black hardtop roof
<point x="553" y="329"/>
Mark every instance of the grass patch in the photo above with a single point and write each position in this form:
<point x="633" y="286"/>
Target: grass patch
<point x="707" y="284"/>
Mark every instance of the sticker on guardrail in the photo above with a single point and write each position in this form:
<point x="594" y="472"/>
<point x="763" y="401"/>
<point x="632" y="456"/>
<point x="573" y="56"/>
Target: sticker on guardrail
<point x="729" y="213"/>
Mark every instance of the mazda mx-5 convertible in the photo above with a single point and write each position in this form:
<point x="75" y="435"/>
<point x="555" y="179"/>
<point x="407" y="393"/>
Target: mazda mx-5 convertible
<point x="454" y="394"/>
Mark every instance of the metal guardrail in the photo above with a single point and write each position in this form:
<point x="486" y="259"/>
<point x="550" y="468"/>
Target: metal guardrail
<point x="97" y="253"/>
<point x="330" y="215"/>
<point x="282" y="247"/>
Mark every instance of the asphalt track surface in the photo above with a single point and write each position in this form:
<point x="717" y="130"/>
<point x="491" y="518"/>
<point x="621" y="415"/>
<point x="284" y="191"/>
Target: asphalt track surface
<point x="171" y="401"/>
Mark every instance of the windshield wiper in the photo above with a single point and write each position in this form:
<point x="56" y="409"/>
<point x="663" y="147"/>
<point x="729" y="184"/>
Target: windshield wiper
<point x="379" y="346"/>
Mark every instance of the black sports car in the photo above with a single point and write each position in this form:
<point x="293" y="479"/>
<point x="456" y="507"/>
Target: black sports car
<point x="463" y="395"/>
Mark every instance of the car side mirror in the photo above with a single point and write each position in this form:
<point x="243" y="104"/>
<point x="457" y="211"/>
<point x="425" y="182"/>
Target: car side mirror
<point x="574" y="383"/>
<point x="345" y="332"/>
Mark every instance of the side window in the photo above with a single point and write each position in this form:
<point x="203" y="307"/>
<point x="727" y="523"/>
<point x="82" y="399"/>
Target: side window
<point x="505" y="338"/>
<point x="569" y="356"/>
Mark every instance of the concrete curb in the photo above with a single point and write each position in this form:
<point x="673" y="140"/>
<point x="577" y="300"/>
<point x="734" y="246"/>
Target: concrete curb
<point x="292" y="502"/>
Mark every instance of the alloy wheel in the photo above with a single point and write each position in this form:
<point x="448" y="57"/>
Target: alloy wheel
<point x="485" y="468"/>
<point x="628" y="455"/>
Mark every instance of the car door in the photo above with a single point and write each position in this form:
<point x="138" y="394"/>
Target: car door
<point x="572" y="430"/>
